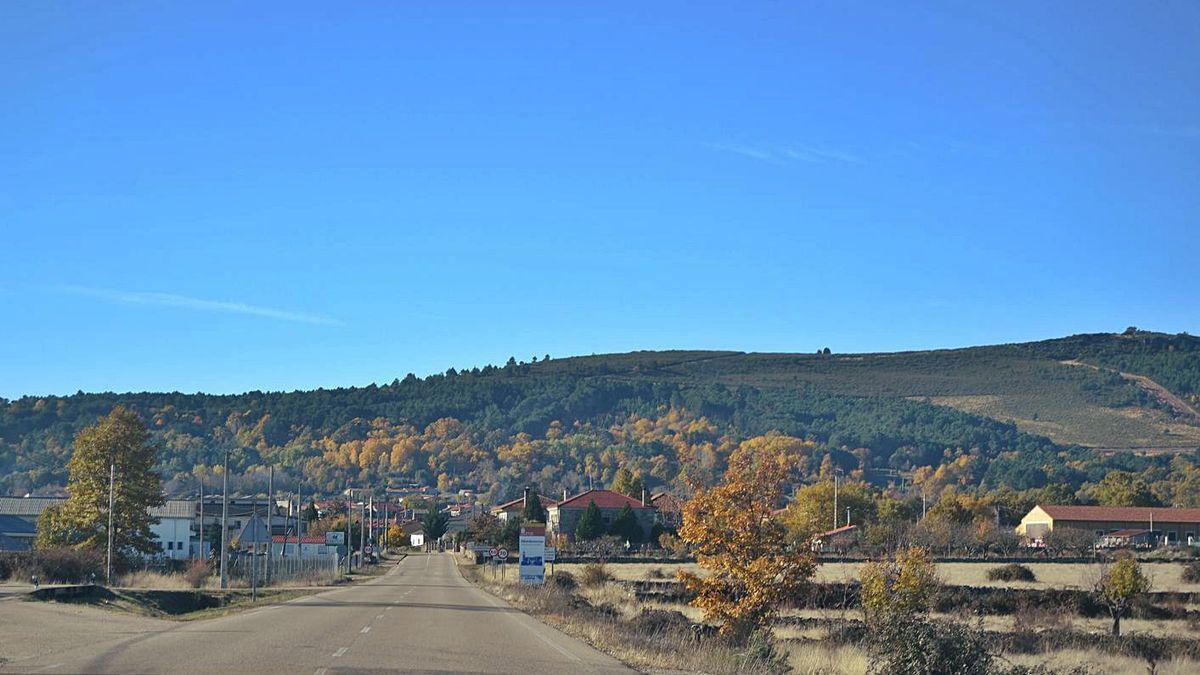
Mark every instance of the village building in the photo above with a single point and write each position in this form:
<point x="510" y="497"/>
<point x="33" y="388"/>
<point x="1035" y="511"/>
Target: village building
<point x="172" y="527"/>
<point x="668" y="510"/>
<point x="514" y="509"/>
<point x="838" y="540"/>
<point x="563" y="518"/>
<point x="18" y="520"/>
<point x="1169" y="526"/>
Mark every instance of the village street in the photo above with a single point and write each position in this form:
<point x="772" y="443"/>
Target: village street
<point x="421" y="616"/>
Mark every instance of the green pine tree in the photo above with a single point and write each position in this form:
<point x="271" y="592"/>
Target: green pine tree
<point x="533" y="510"/>
<point x="591" y="525"/>
<point x="626" y="525"/>
<point x="434" y="524"/>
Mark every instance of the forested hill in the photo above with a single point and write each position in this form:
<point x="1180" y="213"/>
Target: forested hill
<point x="1000" y="414"/>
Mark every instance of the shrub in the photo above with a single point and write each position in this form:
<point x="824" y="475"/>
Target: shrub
<point x="197" y="573"/>
<point x="1191" y="572"/>
<point x="595" y="574"/>
<point x="655" y="573"/>
<point x="563" y="581"/>
<point x="1011" y="572"/>
<point x="63" y="565"/>
<point x="906" y="644"/>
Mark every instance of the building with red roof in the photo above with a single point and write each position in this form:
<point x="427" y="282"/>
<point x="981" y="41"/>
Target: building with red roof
<point x="563" y="517"/>
<point x="668" y="510"/>
<point x="1166" y="525"/>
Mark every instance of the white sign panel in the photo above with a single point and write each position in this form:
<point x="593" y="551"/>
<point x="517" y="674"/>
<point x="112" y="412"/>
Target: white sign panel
<point x="333" y="538"/>
<point x="533" y="556"/>
<point x="551" y="554"/>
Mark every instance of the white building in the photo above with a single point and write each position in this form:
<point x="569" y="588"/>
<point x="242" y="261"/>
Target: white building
<point x="173" y="528"/>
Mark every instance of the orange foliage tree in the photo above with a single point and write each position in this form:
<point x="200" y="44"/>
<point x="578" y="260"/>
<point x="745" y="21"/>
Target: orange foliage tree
<point x="736" y="538"/>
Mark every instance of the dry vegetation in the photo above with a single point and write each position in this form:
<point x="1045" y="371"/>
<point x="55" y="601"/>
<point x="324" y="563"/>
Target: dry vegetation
<point x="809" y="639"/>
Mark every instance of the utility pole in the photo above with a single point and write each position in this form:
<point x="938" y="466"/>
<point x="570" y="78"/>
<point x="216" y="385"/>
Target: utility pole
<point x="270" y="522"/>
<point x="371" y="514"/>
<point x="835" y="498"/>
<point x="112" y="478"/>
<point x="254" y="551"/>
<point x="225" y="522"/>
<point x="362" y="532"/>
<point x="200" y="550"/>
<point x="385" y="518"/>
<point x="349" y="517"/>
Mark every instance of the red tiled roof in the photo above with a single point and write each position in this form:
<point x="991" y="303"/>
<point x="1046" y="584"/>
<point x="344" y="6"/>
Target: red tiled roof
<point x="605" y="499"/>
<point x="546" y="503"/>
<point x="1122" y="513"/>
<point x="667" y="502"/>
<point x="840" y="530"/>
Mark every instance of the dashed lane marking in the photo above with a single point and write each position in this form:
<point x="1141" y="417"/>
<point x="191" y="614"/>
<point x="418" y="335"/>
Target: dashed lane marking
<point x="366" y="629"/>
<point x="340" y="652"/>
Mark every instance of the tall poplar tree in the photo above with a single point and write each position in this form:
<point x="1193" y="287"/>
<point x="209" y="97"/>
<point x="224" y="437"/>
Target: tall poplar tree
<point x="123" y="440"/>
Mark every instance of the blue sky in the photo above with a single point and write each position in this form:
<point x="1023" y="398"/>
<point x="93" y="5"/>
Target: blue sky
<point x="198" y="196"/>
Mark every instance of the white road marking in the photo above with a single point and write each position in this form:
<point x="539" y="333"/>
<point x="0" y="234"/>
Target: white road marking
<point x="320" y="671"/>
<point x="390" y="608"/>
<point x="366" y="629"/>
<point x="380" y="616"/>
<point x="340" y="652"/>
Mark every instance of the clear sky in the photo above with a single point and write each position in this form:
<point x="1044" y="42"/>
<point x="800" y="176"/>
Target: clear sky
<point x="225" y="197"/>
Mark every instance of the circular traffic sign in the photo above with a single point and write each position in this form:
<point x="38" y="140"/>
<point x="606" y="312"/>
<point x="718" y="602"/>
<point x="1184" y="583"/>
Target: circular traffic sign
<point x="492" y="552"/>
<point x="503" y="553"/>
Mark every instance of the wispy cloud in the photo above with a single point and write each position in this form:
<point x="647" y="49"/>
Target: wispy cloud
<point x="786" y="154"/>
<point x="199" y="304"/>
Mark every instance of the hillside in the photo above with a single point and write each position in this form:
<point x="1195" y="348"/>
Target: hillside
<point x="1007" y="409"/>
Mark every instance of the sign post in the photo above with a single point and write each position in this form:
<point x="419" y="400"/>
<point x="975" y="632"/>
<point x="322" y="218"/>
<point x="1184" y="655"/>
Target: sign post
<point x="533" y="554"/>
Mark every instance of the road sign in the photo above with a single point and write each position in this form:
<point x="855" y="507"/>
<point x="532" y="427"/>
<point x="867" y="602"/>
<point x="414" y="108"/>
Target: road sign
<point x="551" y="554"/>
<point x="502" y="553"/>
<point x="337" y="538"/>
<point x="533" y="554"/>
<point x="367" y="549"/>
<point x="493" y="551"/>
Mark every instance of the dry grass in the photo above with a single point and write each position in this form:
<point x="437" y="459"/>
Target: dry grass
<point x="1102" y="663"/>
<point x="155" y="580"/>
<point x="671" y="651"/>
<point x="810" y="658"/>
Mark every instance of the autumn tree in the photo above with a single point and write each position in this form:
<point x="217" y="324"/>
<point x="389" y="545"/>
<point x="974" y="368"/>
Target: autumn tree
<point x="903" y="585"/>
<point x="1119" y="586"/>
<point x="811" y="512"/>
<point x="731" y="528"/>
<point x="590" y="525"/>
<point x="122" y="440"/>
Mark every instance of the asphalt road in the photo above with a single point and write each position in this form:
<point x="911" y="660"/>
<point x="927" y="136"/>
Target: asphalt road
<point x="421" y="616"/>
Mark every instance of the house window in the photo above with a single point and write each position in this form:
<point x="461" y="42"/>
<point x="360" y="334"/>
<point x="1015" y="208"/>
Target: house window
<point x="179" y="546"/>
<point x="170" y="545"/>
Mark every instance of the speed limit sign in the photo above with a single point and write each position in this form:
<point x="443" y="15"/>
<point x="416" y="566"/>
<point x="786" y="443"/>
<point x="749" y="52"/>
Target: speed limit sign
<point x="502" y="553"/>
<point x="492" y="552"/>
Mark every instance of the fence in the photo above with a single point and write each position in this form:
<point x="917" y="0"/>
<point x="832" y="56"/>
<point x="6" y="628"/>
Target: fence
<point x="275" y="569"/>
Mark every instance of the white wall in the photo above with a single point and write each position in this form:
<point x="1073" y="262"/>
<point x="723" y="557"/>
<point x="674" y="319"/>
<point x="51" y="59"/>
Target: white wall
<point x="174" y="537"/>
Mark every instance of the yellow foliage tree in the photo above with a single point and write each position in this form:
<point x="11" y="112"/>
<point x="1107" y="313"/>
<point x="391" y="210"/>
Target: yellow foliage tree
<point x="736" y="539"/>
<point x="1119" y="586"/>
<point x="899" y="587"/>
